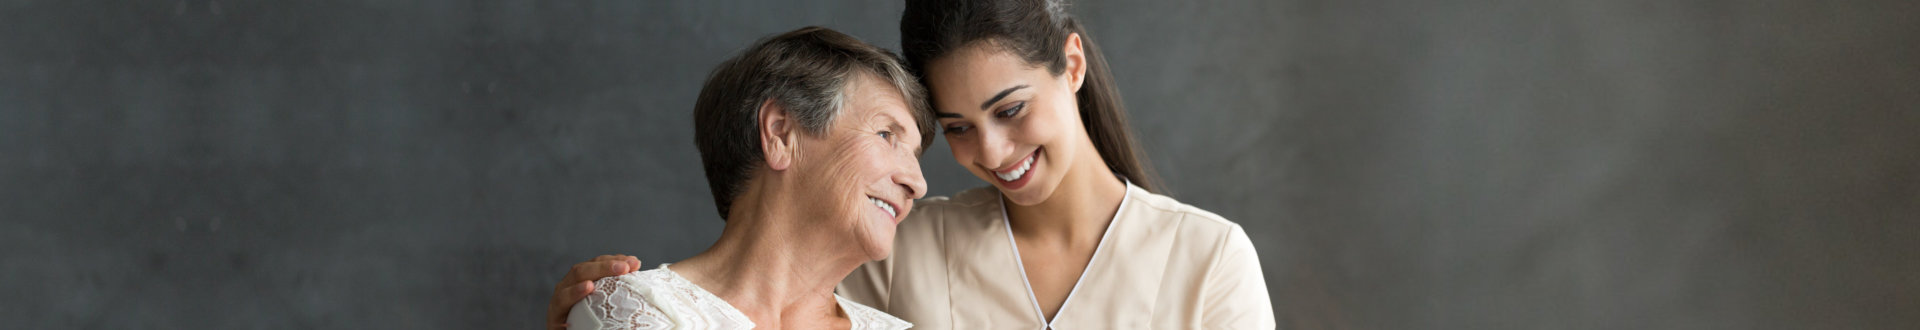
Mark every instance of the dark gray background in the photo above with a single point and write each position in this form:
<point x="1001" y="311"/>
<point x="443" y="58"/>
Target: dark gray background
<point x="1400" y="164"/>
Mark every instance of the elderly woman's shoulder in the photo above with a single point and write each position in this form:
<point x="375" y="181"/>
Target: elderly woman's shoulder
<point x="653" y="299"/>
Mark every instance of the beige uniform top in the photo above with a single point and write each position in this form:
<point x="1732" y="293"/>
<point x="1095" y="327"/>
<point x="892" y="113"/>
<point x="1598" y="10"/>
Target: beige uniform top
<point x="1160" y="265"/>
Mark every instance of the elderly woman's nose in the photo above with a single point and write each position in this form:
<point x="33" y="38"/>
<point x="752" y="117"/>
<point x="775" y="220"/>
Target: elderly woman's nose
<point x="909" y="177"/>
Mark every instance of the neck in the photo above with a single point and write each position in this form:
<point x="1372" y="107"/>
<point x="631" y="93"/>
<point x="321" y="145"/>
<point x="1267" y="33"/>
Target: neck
<point x="765" y="265"/>
<point x="1078" y="211"/>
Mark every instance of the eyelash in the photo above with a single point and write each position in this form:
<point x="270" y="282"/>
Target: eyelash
<point x="1008" y="113"/>
<point x="1011" y="111"/>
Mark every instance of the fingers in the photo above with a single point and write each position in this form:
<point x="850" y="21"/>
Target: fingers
<point x="633" y="263"/>
<point x="615" y="257"/>
<point x="594" y="270"/>
<point x="572" y="294"/>
<point x="579" y="282"/>
<point x="563" y="300"/>
<point x="610" y="265"/>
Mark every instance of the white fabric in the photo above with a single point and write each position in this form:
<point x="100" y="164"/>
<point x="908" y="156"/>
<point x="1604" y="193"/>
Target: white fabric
<point x="661" y="299"/>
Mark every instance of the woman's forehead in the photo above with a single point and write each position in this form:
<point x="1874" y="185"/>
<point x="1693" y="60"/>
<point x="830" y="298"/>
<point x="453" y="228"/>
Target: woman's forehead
<point x="971" y="76"/>
<point x="868" y="95"/>
<point x="976" y="61"/>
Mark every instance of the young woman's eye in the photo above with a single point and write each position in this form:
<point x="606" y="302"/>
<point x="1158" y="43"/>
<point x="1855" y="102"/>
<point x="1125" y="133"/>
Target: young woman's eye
<point x="1009" y="112"/>
<point x="955" y="129"/>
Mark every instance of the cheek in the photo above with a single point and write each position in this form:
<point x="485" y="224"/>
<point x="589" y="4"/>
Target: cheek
<point x="832" y="181"/>
<point x="1045" y="126"/>
<point x="855" y="165"/>
<point x="962" y="149"/>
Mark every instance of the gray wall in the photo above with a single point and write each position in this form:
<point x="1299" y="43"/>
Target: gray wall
<point x="1401" y="164"/>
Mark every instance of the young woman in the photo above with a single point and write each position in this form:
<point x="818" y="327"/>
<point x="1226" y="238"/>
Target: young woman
<point x="1071" y="233"/>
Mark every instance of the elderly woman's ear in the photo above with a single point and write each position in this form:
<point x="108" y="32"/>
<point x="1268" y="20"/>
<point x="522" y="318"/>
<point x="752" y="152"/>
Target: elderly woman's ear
<point x="777" y="135"/>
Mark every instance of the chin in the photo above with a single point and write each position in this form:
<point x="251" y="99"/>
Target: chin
<point x="1032" y="194"/>
<point x="877" y="243"/>
<point x="877" y="251"/>
<point x="1025" y="197"/>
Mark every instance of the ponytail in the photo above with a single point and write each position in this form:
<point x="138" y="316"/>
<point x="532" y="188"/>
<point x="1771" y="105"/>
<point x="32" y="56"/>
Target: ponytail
<point x="1106" y="118"/>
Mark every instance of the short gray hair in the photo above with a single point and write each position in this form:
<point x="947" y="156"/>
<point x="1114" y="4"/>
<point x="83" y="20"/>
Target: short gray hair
<point x="807" y="72"/>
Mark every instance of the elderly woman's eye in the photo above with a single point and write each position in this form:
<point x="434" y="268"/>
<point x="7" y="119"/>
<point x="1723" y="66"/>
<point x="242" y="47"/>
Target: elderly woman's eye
<point x="886" y="135"/>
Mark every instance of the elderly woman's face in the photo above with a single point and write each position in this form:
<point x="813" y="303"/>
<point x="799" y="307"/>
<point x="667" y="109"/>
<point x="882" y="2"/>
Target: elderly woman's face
<point x="864" y="172"/>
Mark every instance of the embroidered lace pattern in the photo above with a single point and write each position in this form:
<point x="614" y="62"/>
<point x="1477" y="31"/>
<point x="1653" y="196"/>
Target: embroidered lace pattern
<point x="661" y="299"/>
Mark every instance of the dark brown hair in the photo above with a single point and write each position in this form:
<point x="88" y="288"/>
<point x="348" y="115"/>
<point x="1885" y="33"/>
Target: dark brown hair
<point x="806" y="72"/>
<point x="1035" y="30"/>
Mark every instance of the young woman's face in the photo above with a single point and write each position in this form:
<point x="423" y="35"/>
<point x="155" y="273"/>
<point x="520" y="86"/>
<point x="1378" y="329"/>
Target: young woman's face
<point x="1011" y="124"/>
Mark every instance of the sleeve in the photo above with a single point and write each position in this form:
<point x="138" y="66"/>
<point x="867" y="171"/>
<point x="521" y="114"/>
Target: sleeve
<point x="1235" y="292"/>
<point x="612" y="306"/>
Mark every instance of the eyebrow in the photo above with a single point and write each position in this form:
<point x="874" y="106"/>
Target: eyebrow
<point x="983" y="105"/>
<point x="1002" y="95"/>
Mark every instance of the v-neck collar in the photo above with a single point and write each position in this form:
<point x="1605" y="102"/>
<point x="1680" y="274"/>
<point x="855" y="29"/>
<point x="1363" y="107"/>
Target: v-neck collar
<point x="1034" y="300"/>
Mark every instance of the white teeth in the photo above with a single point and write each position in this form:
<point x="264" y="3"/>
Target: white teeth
<point x="885" y="206"/>
<point x="1017" y="172"/>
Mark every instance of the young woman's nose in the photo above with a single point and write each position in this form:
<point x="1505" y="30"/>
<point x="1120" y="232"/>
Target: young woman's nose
<point x="994" y="148"/>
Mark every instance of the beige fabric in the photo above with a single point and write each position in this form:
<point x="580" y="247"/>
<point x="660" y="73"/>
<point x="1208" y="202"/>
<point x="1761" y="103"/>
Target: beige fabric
<point x="1161" y="265"/>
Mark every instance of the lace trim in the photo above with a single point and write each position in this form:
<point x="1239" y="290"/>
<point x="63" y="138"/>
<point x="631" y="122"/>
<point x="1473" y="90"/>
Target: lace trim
<point x="661" y="299"/>
<point x="867" y="318"/>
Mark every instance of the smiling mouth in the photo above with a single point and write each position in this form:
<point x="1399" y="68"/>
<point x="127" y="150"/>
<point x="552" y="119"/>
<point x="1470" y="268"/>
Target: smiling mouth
<point x="1020" y="171"/>
<point x="892" y="212"/>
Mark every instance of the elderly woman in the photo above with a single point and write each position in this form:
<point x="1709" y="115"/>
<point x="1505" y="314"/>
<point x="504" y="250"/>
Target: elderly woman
<point x="810" y="142"/>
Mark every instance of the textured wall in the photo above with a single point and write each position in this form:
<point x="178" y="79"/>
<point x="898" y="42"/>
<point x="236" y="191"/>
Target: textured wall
<point x="1401" y="164"/>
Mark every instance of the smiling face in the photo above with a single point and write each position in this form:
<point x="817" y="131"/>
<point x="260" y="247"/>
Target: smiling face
<point x="1012" y="124"/>
<point x="862" y="174"/>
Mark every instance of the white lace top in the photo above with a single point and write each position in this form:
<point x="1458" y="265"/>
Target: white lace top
<point x="661" y="299"/>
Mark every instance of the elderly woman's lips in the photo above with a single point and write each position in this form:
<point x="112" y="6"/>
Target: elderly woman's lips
<point x="884" y="206"/>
